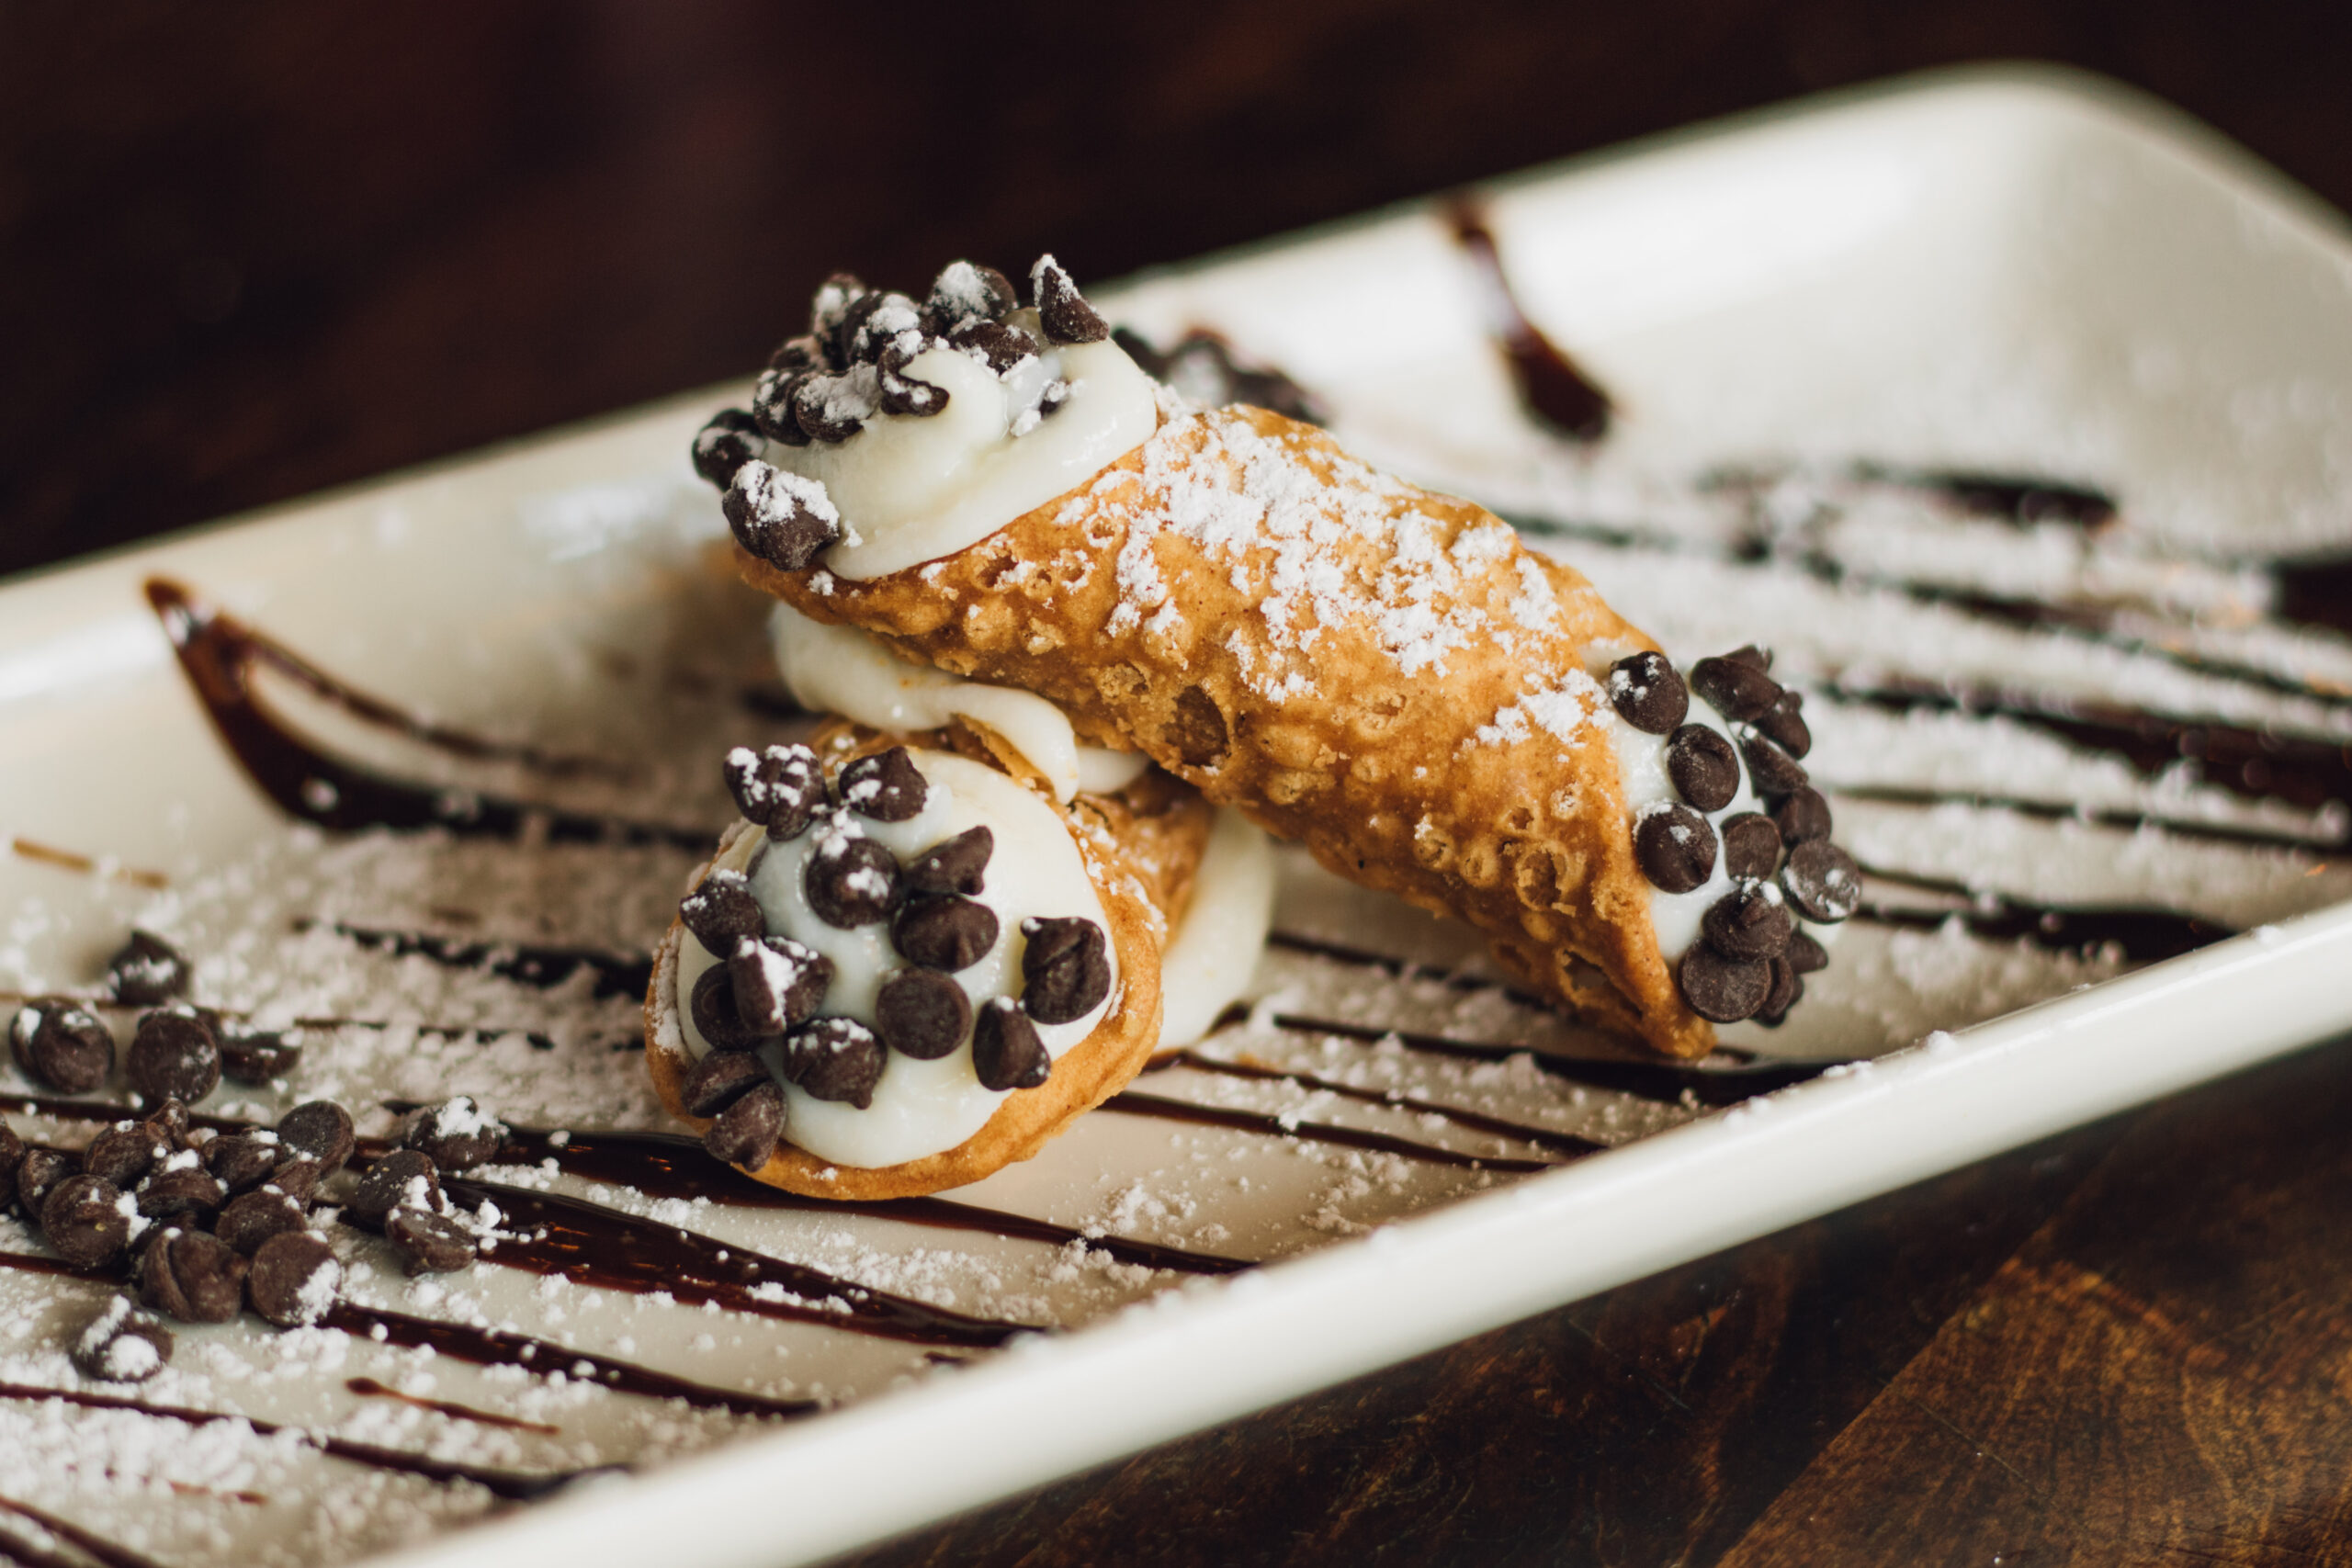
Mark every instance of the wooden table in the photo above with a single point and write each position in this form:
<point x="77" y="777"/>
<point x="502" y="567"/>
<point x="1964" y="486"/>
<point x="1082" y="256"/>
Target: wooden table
<point x="246" y="254"/>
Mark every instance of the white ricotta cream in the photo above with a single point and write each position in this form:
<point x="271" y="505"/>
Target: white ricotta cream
<point x="1213" y="954"/>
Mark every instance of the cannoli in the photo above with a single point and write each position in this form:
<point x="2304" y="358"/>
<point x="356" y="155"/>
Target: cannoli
<point x="1386" y="675"/>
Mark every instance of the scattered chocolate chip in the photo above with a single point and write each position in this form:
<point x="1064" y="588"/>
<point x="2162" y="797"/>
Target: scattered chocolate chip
<point x="999" y="343"/>
<point x="1006" y="1052"/>
<point x="1751" y="846"/>
<point x="964" y="293"/>
<point x="731" y="439"/>
<point x="1722" y="990"/>
<point x="242" y="1161"/>
<point x="922" y="1013"/>
<point x="833" y="408"/>
<point x="772" y="400"/>
<point x="886" y="786"/>
<point x="247" y="1221"/>
<point x="1734" y="687"/>
<point x="1065" y="968"/>
<point x="255" y="1056"/>
<point x="946" y="931"/>
<point x="1753" y="655"/>
<point x="1806" y="956"/>
<point x="778" y="516"/>
<point x="1749" y="921"/>
<point x="835" y="1058"/>
<point x="124" y="1153"/>
<point x="779" y="788"/>
<point x="429" y="1243"/>
<point x="1822" y="881"/>
<point x="713" y="1007"/>
<point x="298" y="1178"/>
<point x="122" y="1345"/>
<point x="1786" y="990"/>
<point x="1062" y="311"/>
<point x="404" y="1178"/>
<point x="322" y="1130"/>
<point x="745" y="1134"/>
<point x="37" y="1175"/>
<point x="1801" y="815"/>
<point x="12" y="1155"/>
<point x="173" y="1056"/>
<point x="719" y="1080"/>
<point x="458" y="1133"/>
<point x="62" y="1045"/>
<point x="1704" y="768"/>
<point x="1784" y="722"/>
<point x="850" y="880"/>
<point x="1648" y="692"/>
<point x="777" y="983"/>
<point x="952" y="865"/>
<point x="180" y="1190"/>
<point x="721" y="911"/>
<point x="147" y="971"/>
<point x="86" y="1220"/>
<point x="295" y="1279"/>
<point x="1772" y="771"/>
<point x="1675" y="848"/>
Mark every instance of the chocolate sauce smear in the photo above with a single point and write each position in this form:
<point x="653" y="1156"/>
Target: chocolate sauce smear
<point x="1567" y="1144"/>
<point x="2024" y="500"/>
<point x="1131" y="1103"/>
<point x="369" y="1387"/>
<point x="2142" y="935"/>
<point x="1553" y="386"/>
<point x="538" y="966"/>
<point x="2316" y="592"/>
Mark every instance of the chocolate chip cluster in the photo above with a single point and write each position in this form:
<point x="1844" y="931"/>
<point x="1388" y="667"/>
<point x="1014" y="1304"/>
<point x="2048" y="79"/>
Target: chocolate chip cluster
<point x="769" y="989"/>
<point x="1751" y="959"/>
<point x="1203" y="367"/>
<point x="177" y="1052"/>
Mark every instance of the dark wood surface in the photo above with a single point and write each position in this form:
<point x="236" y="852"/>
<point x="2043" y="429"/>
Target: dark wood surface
<point x="246" y="253"/>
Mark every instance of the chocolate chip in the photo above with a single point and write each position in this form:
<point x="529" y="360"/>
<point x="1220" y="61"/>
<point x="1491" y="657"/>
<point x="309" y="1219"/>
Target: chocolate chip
<point x="123" y="1153"/>
<point x="833" y="408"/>
<point x="86" y="1220"/>
<point x="458" y="1133"/>
<point x="148" y="970"/>
<point x="746" y="1132"/>
<point x="1061" y="309"/>
<point x="777" y="983"/>
<point x="779" y="788"/>
<point x="719" y="1080"/>
<point x="1822" y="881"/>
<point x="12" y="1155"/>
<point x="173" y="1056"/>
<point x="713" y="1007"/>
<point x="122" y="1345"/>
<point x="1749" y="921"/>
<point x="295" y="1279"/>
<point x="886" y="786"/>
<point x="864" y="326"/>
<point x="1751" y="846"/>
<point x="772" y="399"/>
<point x="178" y="1190"/>
<point x="731" y="439"/>
<point x="1647" y="693"/>
<point x="253" y="1218"/>
<point x="946" y="933"/>
<point x="1785" y="724"/>
<point x="62" y="1045"/>
<point x="322" y="1130"/>
<point x="298" y="1178"/>
<point x="404" y="1178"/>
<point x="1065" y="968"/>
<point x="965" y="293"/>
<point x="242" y="1161"/>
<point x="835" y="1058"/>
<point x="850" y="880"/>
<point x="1006" y="1052"/>
<point x="1786" y="990"/>
<point x="905" y="394"/>
<point x="37" y="1175"/>
<point x="721" y="911"/>
<point x="1675" y="848"/>
<point x="999" y="343"/>
<point x="1734" y="687"/>
<point x="1772" y="771"/>
<point x="1704" y="768"/>
<point x="429" y="1243"/>
<point x="922" y="1013"/>
<point x="830" y="304"/>
<point x="778" y="516"/>
<point x="803" y="352"/>
<point x="253" y="1056"/>
<point x="1801" y="815"/>
<point x="952" y="865"/>
<point x="1806" y="956"/>
<point x="1720" y="989"/>
<point x="1753" y="655"/>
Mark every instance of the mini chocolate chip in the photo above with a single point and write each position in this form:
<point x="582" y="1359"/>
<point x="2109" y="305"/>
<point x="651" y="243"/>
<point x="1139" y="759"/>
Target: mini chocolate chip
<point x="62" y="1045"/>
<point x="853" y="343"/>
<point x="298" y="1178"/>
<point x="322" y="1130"/>
<point x="965" y="292"/>
<point x="1787" y="989"/>
<point x="779" y="788"/>
<point x="1751" y="846"/>
<point x="1801" y="815"/>
<point x="1062" y="311"/>
<point x="722" y="909"/>
<point x="242" y="1161"/>
<point x="1749" y="921"/>
<point x="1772" y="771"/>
<point x="886" y="786"/>
<point x="952" y="865"/>
<point x="905" y="394"/>
<point x="86" y="1220"/>
<point x="803" y="352"/>
<point x="832" y="409"/>
<point x="429" y="1243"/>
<point x="777" y="983"/>
<point x="458" y="1133"/>
<point x="12" y="1155"/>
<point x="247" y="1221"/>
<point x="173" y="1056"/>
<point x="831" y="304"/>
<point x="946" y="933"/>
<point x="1006" y="1052"/>
<point x="713" y="1007"/>
<point x="745" y="1134"/>
<point x="123" y="1153"/>
<point x="180" y="1190"/>
<point x="772" y="400"/>
<point x="1648" y="694"/>
<point x="253" y="1056"/>
<point x="1704" y="768"/>
<point x="1722" y="990"/>
<point x="169" y="1122"/>
<point x="731" y="439"/>
<point x="779" y="517"/>
<point x="1822" y="881"/>
<point x="719" y="1080"/>
<point x="147" y="971"/>
<point x="1065" y="968"/>
<point x="1675" y="848"/>
<point x="850" y="880"/>
<point x="1785" y="724"/>
<point x="1734" y="687"/>
<point x="922" y="1013"/>
<point x="1001" y="344"/>
<point x="294" y="1279"/>
<point x="1759" y="658"/>
<point x="37" y="1175"/>
<point x="835" y="1058"/>
<point x="404" y="1178"/>
<point x="122" y="1345"/>
<point x="1806" y="956"/>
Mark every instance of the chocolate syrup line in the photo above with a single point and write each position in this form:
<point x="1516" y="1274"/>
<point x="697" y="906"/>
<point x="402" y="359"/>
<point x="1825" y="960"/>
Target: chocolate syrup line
<point x="67" y="859"/>
<point x="2143" y="935"/>
<point x="1402" y="968"/>
<point x="2247" y="834"/>
<point x="111" y="1555"/>
<point x="369" y="1387"/>
<point x="19" y="1552"/>
<point x="217" y="653"/>
<point x="2315" y="593"/>
<point x="2021" y="499"/>
<point x="1552" y="386"/>
<point x="1543" y="1137"/>
<point x="538" y="966"/>
<point x="1131" y="1103"/>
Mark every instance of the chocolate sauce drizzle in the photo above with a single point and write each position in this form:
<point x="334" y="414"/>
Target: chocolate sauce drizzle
<point x="1567" y="1144"/>
<point x="2024" y="500"/>
<point x="1553" y="388"/>
<point x="2142" y="935"/>
<point x="111" y="1554"/>
<point x="1131" y="1103"/>
<point x="369" y="1387"/>
<point x="538" y="966"/>
<point x="2251" y="835"/>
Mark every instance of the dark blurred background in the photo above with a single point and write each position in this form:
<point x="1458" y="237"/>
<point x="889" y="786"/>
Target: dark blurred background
<point x="249" y="251"/>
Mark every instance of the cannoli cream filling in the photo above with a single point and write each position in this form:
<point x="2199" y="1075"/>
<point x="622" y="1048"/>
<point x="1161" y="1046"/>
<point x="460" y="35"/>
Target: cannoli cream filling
<point x="1208" y="962"/>
<point x="912" y="490"/>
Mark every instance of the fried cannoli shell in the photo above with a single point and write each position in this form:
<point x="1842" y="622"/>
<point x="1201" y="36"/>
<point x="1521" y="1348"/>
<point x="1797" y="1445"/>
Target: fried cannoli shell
<point x="1300" y="715"/>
